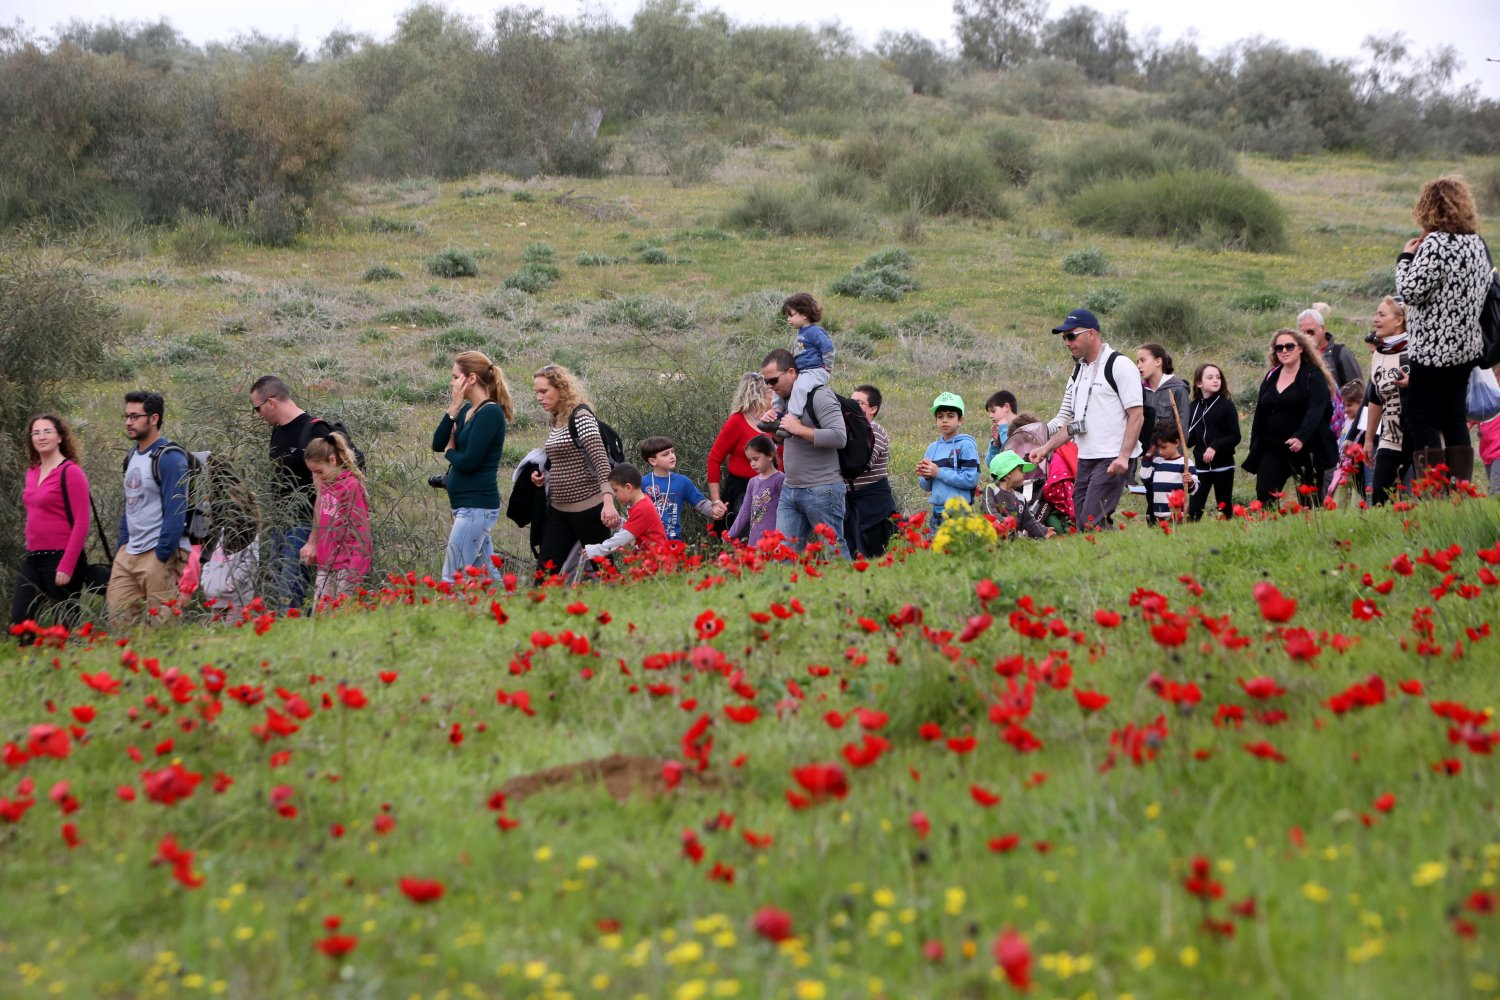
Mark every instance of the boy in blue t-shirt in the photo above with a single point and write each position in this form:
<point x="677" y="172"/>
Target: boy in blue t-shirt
<point x="812" y="355"/>
<point x="668" y="490"/>
<point x="950" y="467"/>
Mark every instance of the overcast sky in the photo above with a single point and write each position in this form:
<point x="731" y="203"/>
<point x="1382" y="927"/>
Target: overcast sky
<point x="1334" y="27"/>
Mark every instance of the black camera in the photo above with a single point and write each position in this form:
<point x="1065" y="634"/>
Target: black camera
<point x="439" y="481"/>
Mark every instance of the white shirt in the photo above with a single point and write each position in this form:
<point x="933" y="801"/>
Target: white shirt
<point x="1089" y="398"/>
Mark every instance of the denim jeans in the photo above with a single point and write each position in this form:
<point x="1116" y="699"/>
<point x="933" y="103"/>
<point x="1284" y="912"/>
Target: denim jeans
<point x="289" y="578"/>
<point x="801" y="508"/>
<point x="469" y="542"/>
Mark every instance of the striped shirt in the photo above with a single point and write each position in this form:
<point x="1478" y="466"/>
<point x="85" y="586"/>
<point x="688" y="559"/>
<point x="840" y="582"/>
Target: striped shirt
<point x="1162" y="477"/>
<point x="570" y="487"/>
<point x="880" y="459"/>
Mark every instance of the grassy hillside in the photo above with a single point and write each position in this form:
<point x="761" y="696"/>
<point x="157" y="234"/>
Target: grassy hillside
<point x="377" y="352"/>
<point x="1347" y="835"/>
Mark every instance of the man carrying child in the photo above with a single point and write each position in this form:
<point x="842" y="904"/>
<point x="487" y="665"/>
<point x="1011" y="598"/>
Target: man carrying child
<point x="812" y="356"/>
<point x="813" y="492"/>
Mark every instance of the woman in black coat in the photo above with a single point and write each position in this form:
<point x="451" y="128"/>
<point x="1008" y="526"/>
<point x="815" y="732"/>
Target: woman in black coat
<point x="1213" y="433"/>
<point x="1290" y="435"/>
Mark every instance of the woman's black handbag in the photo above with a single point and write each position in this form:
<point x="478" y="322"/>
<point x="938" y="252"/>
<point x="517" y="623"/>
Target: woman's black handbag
<point x="95" y="575"/>
<point x="1489" y="319"/>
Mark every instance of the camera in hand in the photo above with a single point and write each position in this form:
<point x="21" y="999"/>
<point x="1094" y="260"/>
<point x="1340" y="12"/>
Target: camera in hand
<point x="439" y="481"/>
<point x="1076" y="429"/>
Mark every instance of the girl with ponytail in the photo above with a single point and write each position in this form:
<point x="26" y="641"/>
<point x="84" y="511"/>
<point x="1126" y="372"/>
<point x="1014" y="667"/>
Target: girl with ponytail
<point x="471" y="437"/>
<point x="340" y="542"/>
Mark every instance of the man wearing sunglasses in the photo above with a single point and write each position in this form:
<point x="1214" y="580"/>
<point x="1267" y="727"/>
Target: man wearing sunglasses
<point x="1101" y="411"/>
<point x="813" y="491"/>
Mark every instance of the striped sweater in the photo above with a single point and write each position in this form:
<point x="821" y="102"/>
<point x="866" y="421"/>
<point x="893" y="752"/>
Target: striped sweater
<point x="570" y="487"/>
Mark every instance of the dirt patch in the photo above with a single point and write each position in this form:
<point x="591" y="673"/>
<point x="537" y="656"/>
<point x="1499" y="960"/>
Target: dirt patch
<point x="621" y="776"/>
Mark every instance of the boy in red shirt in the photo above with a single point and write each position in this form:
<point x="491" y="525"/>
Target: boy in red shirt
<point x="642" y="527"/>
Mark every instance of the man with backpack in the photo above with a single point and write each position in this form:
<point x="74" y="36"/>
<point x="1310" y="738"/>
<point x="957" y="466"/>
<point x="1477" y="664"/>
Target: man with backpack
<point x="1102" y="410"/>
<point x="293" y="493"/>
<point x="153" y="539"/>
<point x="813" y="492"/>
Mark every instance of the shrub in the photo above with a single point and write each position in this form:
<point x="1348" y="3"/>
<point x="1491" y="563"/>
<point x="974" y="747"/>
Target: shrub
<point x="692" y="162"/>
<point x="885" y="276"/>
<point x="843" y="182"/>
<point x="1089" y="260"/>
<point x="579" y="157"/>
<point x="1261" y="300"/>
<point x="787" y="211"/>
<point x="380" y="272"/>
<point x="1013" y="152"/>
<point x="1104" y="299"/>
<point x="947" y="180"/>
<point x="1377" y="283"/>
<point x="197" y="239"/>
<point x="647" y="312"/>
<point x="1164" y="317"/>
<point x="538" y="252"/>
<point x="523" y="197"/>
<point x="532" y="278"/>
<point x="594" y="259"/>
<point x="419" y="315"/>
<point x="452" y="263"/>
<point x="1165" y="149"/>
<point x="1487" y="189"/>
<point x="655" y="255"/>
<point x="1205" y="208"/>
<point x="272" y="220"/>
<point x="382" y="224"/>
<point x="857" y="346"/>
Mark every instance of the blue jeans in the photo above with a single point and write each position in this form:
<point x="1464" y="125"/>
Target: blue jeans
<point x="469" y="542"/>
<point x="288" y="575"/>
<point x="801" y="508"/>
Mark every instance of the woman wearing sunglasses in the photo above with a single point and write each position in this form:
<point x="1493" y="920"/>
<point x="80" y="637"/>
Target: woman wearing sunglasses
<point x="1290" y="435"/>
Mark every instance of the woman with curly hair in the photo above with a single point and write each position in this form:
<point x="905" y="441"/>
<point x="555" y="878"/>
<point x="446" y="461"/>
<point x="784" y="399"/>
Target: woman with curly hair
<point x="580" y="504"/>
<point x="56" y="499"/>
<point x="1290" y="435"/>
<point x="752" y="399"/>
<point x="1443" y="277"/>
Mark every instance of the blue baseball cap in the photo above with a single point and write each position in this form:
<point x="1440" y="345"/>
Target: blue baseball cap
<point x="1078" y="319"/>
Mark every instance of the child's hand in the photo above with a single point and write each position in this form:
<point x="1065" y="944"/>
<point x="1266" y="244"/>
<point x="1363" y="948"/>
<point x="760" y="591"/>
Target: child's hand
<point x="1051" y="533"/>
<point x="718" y="510"/>
<point x="593" y="551"/>
<point x="927" y="469"/>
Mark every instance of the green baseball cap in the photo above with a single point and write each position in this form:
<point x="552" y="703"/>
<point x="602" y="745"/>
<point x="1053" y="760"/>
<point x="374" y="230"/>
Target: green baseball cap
<point x="1006" y="462"/>
<point x="948" y="401"/>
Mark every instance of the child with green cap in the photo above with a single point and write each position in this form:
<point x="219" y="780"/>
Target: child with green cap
<point x="950" y="467"/>
<point x="1001" y="499"/>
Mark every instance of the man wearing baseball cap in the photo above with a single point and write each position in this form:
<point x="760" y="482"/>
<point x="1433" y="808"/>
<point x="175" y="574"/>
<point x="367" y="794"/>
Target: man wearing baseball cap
<point x="1101" y="411"/>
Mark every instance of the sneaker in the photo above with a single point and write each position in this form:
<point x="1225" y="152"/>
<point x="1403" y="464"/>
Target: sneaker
<point x="771" y="426"/>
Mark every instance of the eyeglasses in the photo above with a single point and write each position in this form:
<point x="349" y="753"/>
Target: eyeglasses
<point x="1072" y="335"/>
<point x="1286" y="347"/>
<point x="771" y="380"/>
<point x="256" y="408"/>
<point x="134" y="416"/>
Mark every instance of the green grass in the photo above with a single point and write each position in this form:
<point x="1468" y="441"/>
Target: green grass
<point x="1353" y="910"/>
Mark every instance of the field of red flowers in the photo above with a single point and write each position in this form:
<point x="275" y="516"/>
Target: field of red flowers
<point x="1246" y="758"/>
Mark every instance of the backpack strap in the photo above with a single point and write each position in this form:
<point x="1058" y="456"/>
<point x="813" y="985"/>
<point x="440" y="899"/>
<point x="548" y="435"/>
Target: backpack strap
<point x="67" y="503"/>
<point x="808" y="411"/>
<point x="156" y="460"/>
<point x="1109" y="371"/>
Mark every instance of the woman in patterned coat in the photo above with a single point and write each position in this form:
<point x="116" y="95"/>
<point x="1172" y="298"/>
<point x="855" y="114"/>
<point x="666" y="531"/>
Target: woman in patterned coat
<point x="1443" y="276"/>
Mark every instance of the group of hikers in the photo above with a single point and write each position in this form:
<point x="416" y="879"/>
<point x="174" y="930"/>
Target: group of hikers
<point x="793" y="458"/>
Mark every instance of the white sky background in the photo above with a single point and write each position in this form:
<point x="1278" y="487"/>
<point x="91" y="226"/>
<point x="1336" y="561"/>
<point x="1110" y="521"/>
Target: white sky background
<point x="1334" y="27"/>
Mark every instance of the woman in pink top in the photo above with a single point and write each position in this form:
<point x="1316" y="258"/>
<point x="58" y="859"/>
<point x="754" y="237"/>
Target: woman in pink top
<point x="752" y="398"/>
<point x="55" y="486"/>
<point x="340" y="542"/>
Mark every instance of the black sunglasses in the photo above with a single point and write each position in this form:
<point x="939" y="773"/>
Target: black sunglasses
<point x="1286" y="347"/>
<point x="773" y="379"/>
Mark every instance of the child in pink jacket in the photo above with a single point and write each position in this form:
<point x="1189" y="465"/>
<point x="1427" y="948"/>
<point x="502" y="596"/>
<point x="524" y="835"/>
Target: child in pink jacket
<point x="1489" y="452"/>
<point x="340" y="542"/>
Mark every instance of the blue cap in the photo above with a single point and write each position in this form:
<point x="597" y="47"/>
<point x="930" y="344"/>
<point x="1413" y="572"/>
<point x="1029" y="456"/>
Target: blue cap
<point x="1078" y="319"/>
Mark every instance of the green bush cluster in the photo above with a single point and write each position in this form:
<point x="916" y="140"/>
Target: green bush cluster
<point x="381" y="272"/>
<point x="538" y="269"/>
<point x="794" y="211"/>
<point x="1163" y="317"/>
<point x="885" y="276"/>
<point x="1163" y="149"/>
<point x="453" y="263"/>
<point x="948" y="179"/>
<point x="1089" y="261"/>
<point x="1205" y="209"/>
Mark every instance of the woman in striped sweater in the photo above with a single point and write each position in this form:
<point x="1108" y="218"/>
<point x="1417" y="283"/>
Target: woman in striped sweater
<point x="580" y="506"/>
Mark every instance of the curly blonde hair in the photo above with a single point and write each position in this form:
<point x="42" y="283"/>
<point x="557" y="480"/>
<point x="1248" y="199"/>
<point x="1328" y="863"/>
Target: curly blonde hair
<point x="749" y="395"/>
<point x="569" y="391"/>
<point x="1309" y="351"/>
<point x="1446" y="205"/>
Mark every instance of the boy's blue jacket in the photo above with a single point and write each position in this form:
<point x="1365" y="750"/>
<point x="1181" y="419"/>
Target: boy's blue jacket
<point x="958" y="469"/>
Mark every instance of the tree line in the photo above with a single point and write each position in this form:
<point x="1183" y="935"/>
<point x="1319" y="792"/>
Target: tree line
<point x="130" y="121"/>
